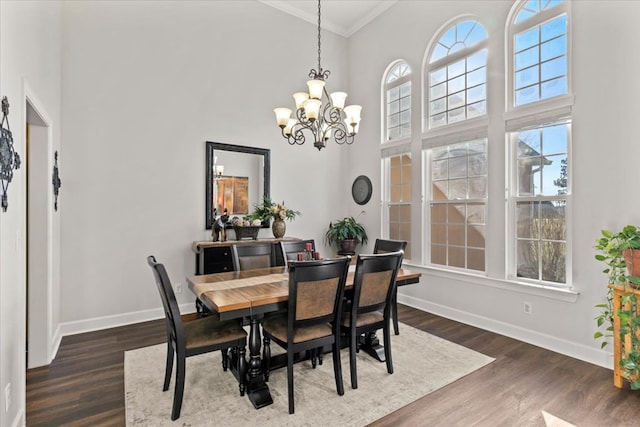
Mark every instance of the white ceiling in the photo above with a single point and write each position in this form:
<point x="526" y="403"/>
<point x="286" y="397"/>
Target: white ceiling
<point x="343" y="17"/>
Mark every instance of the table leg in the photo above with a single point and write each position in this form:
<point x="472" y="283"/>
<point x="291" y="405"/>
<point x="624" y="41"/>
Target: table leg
<point x="257" y="390"/>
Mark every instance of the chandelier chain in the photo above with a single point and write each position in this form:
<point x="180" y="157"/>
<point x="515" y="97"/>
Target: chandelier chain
<point x="319" y="67"/>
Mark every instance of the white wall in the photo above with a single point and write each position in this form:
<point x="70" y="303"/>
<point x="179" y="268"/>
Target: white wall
<point x="29" y="66"/>
<point x="145" y="85"/>
<point x="605" y="55"/>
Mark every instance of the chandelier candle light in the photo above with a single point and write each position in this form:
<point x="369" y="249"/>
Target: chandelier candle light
<point x="318" y="117"/>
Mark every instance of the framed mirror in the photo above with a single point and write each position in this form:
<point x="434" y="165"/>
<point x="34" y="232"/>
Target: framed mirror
<point x="237" y="178"/>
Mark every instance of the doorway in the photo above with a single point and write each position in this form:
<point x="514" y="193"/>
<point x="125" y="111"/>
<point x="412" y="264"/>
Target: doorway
<point x="38" y="237"/>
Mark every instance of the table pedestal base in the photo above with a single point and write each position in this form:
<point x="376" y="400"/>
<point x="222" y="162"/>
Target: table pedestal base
<point x="371" y="344"/>
<point x="258" y="393"/>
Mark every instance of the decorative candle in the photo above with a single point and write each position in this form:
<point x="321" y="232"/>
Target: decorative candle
<point x="300" y="256"/>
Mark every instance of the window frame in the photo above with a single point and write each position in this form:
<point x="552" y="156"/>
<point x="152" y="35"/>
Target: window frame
<point x="451" y="58"/>
<point x="511" y="30"/>
<point x="386" y="86"/>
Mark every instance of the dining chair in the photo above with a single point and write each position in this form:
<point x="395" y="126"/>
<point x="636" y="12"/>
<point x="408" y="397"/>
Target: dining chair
<point x="251" y="256"/>
<point x="203" y="335"/>
<point x="383" y="246"/>
<point x="373" y="288"/>
<point x="291" y="248"/>
<point x="316" y="289"/>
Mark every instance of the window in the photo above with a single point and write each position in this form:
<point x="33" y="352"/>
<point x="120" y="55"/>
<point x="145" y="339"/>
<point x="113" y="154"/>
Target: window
<point x="399" y="199"/>
<point x="458" y="204"/>
<point x="539" y="202"/>
<point x="540" y="68"/>
<point x="457" y="75"/>
<point x="540" y="141"/>
<point x="398" y="101"/>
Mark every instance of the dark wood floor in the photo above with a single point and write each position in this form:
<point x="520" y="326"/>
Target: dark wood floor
<point x="84" y="385"/>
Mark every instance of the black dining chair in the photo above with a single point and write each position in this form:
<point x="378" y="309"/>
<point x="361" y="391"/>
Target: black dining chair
<point x="316" y="290"/>
<point x="198" y="336"/>
<point x="291" y="248"/>
<point x="253" y="255"/>
<point x="370" y="309"/>
<point x="383" y="246"/>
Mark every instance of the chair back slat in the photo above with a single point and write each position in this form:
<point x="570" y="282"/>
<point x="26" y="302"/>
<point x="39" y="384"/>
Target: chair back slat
<point x="291" y="249"/>
<point x="374" y="281"/>
<point x="252" y="256"/>
<point x="169" y="302"/>
<point x="386" y="245"/>
<point x="316" y="289"/>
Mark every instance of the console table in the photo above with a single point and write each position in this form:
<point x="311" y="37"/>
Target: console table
<point x="215" y="257"/>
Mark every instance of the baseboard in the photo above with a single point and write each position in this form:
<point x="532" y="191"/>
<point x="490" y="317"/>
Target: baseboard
<point x="568" y="348"/>
<point x="106" y="322"/>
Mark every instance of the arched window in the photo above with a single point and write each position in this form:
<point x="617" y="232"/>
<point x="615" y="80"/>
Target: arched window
<point x="398" y="101"/>
<point x="539" y="51"/>
<point x="457" y="75"/>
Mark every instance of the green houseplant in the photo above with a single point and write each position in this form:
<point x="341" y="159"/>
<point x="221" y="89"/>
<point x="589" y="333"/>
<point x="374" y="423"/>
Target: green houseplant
<point x="620" y="251"/>
<point x="346" y="234"/>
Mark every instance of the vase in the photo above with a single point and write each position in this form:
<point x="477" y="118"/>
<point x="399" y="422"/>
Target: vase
<point x="279" y="228"/>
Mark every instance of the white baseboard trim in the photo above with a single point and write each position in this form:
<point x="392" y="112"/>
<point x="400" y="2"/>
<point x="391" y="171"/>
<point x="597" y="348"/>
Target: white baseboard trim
<point x="113" y="321"/>
<point x="568" y="348"/>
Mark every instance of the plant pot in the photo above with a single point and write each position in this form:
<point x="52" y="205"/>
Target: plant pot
<point x="632" y="260"/>
<point x="348" y="245"/>
<point x="279" y="228"/>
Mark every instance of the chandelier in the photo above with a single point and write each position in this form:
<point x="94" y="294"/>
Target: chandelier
<point x="320" y="118"/>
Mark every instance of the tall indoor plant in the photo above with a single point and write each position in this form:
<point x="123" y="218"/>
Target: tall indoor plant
<point x="346" y="234"/>
<point x="620" y="251"/>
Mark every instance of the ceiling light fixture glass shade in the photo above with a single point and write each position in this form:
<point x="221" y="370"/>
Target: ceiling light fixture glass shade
<point x="322" y="116"/>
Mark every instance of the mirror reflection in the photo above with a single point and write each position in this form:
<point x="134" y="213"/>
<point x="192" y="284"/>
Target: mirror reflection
<point x="237" y="179"/>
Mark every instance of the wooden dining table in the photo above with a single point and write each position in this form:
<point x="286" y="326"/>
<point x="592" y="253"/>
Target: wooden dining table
<point x="250" y="294"/>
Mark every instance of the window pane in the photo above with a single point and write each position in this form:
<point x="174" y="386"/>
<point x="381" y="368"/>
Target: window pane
<point x="527" y="58"/>
<point x="475" y="259"/>
<point x="553" y="173"/>
<point x="554" y="68"/>
<point x="554" y="28"/>
<point x="527" y="39"/>
<point x="553" y="48"/>
<point x="477" y="60"/>
<point x="438" y="233"/>
<point x="439" y="190"/>
<point x="528" y="177"/>
<point x="527" y="95"/>
<point x="527" y="259"/>
<point x="476" y="94"/>
<point x="527" y="77"/>
<point x="455" y="101"/>
<point x="456" y="257"/>
<point x="477" y="109"/>
<point x="456" y="115"/>
<point x="438" y="254"/>
<point x="392" y="94"/>
<point x="554" y="88"/>
<point x="394" y="107"/>
<point x="527" y="220"/>
<point x="553" y="225"/>
<point x="477" y="77"/>
<point x="475" y="236"/>
<point x="554" y="262"/>
<point x="438" y="91"/>
<point x="456" y="69"/>
<point x="456" y="85"/>
<point x="438" y="76"/>
<point x="478" y="187"/>
<point x="438" y="105"/>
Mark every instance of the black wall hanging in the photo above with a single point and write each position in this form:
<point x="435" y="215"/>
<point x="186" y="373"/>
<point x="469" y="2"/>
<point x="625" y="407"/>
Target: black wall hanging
<point x="56" y="181"/>
<point x="9" y="159"/>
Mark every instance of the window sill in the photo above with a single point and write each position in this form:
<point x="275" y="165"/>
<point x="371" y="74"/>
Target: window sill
<point x="560" y="294"/>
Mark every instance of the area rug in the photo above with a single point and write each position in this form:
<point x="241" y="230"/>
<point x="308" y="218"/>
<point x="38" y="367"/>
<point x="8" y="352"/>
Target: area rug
<point x="422" y="363"/>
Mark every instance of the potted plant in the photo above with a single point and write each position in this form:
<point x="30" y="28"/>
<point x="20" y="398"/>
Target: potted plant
<point x="278" y="211"/>
<point x="620" y="251"/>
<point x="346" y="234"/>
